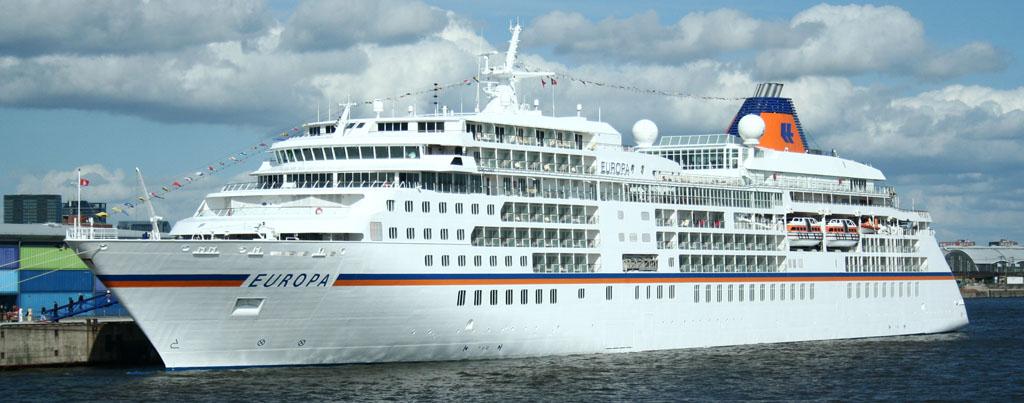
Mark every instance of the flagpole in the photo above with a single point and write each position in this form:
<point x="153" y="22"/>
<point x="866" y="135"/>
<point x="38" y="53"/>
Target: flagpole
<point x="552" y="96"/>
<point x="78" y="215"/>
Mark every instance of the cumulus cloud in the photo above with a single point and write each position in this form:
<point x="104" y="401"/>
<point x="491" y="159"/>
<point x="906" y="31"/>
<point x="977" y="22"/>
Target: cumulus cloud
<point x="105" y="184"/>
<point x="316" y="26"/>
<point x="642" y="38"/>
<point x="37" y="27"/>
<point x="218" y="83"/>
<point x="116" y="187"/>
<point x="822" y="40"/>
<point x="856" y="39"/>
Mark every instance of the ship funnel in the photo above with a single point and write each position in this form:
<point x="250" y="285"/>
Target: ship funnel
<point x="782" y="129"/>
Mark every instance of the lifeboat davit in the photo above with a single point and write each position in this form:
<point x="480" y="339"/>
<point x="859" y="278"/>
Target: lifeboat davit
<point x="841" y="233"/>
<point x="803" y="232"/>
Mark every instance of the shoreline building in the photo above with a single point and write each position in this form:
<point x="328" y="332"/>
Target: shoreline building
<point x="996" y="262"/>
<point x="32" y="209"/>
<point x="37" y="269"/>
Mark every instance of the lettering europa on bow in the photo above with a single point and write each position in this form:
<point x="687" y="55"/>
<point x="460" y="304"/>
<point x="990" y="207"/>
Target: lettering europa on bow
<point x="289" y="280"/>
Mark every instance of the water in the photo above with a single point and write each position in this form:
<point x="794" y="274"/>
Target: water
<point x="981" y="362"/>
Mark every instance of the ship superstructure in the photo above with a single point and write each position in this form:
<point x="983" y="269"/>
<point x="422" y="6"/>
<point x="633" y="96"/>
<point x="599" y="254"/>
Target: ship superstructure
<point x="510" y="233"/>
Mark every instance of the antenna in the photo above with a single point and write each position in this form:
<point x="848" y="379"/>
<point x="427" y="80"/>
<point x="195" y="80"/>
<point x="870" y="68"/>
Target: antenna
<point x="154" y="220"/>
<point x="378" y="107"/>
<point x="437" y="88"/>
<point x="317" y="111"/>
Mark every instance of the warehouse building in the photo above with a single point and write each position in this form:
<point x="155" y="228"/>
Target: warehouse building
<point x="38" y="270"/>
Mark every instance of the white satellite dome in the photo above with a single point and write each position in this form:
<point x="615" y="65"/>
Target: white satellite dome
<point x="751" y="128"/>
<point x="645" y="132"/>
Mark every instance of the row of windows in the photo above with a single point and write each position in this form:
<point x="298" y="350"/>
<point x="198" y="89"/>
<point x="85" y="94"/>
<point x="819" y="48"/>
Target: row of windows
<point x="889" y="245"/>
<point x="392" y="126"/>
<point x="442" y="207"/>
<point x="707" y="293"/>
<point x="702" y="158"/>
<point x="347" y="153"/>
<point x="752" y="292"/>
<point x="860" y="264"/>
<point x="318" y="130"/>
<point x="689" y="195"/>
<point x="718" y="241"/>
<point x="422" y="127"/>
<point x="883" y="289"/>
<point x="649" y="292"/>
<point x="509" y="297"/>
<point x="728" y="263"/>
<point x="428" y="260"/>
<point x="428" y="233"/>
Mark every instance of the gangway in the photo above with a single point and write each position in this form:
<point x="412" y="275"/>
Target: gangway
<point x="81" y="306"/>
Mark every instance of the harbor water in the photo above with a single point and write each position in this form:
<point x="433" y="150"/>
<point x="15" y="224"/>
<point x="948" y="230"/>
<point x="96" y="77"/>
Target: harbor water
<point x="980" y="362"/>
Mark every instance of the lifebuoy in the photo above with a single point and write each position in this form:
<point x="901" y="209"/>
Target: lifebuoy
<point x="319" y="211"/>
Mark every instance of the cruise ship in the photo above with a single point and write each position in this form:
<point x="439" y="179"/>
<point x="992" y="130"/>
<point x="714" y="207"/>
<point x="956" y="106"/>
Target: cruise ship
<point x="510" y="233"/>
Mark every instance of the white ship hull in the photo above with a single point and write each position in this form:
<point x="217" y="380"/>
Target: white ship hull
<point x="186" y="306"/>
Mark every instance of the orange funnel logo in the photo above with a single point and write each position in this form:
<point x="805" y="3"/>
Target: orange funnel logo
<point x="781" y="132"/>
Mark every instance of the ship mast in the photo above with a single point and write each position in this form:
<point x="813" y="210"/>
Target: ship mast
<point x="503" y="87"/>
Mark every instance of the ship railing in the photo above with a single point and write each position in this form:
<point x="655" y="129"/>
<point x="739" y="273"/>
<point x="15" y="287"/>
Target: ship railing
<point x="701" y="179"/>
<point x="847" y="187"/>
<point x="315" y="185"/>
<point x="86" y="233"/>
<point x="527" y="141"/>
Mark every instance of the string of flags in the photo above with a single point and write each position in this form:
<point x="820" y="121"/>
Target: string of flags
<point x="245" y="154"/>
<point x="631" y="88"/>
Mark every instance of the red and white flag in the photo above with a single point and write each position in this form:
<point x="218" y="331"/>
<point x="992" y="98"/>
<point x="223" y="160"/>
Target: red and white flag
<point x="83" y="182"/>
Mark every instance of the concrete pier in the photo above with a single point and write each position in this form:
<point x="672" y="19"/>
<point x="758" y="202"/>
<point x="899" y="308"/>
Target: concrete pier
<point x="991" y="292"/>
<point x="82" y="342"/>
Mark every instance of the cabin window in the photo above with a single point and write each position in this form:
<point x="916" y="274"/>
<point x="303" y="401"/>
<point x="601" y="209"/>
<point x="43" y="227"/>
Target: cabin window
<point x="392" y="126"/>
<point x="429" y="127"/>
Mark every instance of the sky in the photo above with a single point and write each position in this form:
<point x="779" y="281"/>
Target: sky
<point x="930" y="92"/>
